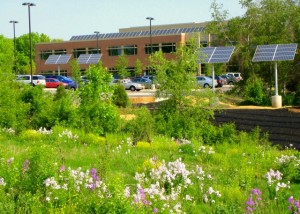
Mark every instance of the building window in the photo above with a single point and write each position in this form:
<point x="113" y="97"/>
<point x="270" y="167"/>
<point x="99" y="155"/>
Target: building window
<point x="78" y="51"/>
<point x="60" y="52"/>
<point x="93" y="50"/>
<point x="168" y="47"/>
<point x="45" y="54"/>
<point x="114" y="51"/>
<point x="130" y="50"/>
<point x="155" y="47"/>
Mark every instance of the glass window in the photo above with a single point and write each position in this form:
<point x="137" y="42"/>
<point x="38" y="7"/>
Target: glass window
<point x="155" y="47"/>
<point x="78" y="51"/>
<point x="114" y="51"/>
<point x="93" y="50"/>
<point x="168" y="47"/>
<point x="130" y="50"/>
<point x="60" y="52"/>
<point x="45" y="54"/>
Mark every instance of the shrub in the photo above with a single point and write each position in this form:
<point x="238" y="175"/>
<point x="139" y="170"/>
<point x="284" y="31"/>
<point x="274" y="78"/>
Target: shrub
<point x="120" y="97"/>
<point x="141" y="127"/>
<point x="255" y="92"/>
<point x="296" y="100"/>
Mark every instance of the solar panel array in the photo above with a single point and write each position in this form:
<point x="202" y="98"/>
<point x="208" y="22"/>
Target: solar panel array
<point x="89" y="58"/>
<point x="58" y="59"/>
<point x="215" y="54"/>
<point x="173" y="31"/>
<point x="278" y="52"/>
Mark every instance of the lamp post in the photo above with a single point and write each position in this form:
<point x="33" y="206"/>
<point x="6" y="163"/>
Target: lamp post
<point x="29" y="5"/>
<point x="15" y="53"/>
<point x="150" y="19"/>
<point x="97" y="35"/>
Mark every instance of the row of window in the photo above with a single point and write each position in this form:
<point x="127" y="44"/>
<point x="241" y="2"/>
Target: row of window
<point x="113" y="50"/>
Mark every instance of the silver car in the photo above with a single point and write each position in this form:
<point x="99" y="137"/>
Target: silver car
<point x="205" y="82"/>
<point x="129" y="85"/>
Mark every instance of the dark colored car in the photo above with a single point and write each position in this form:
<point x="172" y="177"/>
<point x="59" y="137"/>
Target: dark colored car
<point x="220" y="81"/>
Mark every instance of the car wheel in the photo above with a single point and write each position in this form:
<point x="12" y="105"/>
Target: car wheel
<point x="230" y="83"/>
<point x="132" y="88"/>
<point x="205" y="85"/>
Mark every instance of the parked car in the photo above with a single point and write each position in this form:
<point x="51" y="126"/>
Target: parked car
<point x="230" y="79"/>
<point x="71" y="83"/>
<point x="205" y="81"/>
<point x="220" y="81"/>
<point x="36" y="79"/>
<point x="144" y="81"/>
<point x="237" y="76"/>
<point x="129" y="85"/>
<point x="54" y="83"/>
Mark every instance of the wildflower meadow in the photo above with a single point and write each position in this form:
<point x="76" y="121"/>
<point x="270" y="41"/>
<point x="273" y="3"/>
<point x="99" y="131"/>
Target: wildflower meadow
<point x="58" y="171"/>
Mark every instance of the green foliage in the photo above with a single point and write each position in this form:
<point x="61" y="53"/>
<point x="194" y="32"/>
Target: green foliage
<point x="120" y="97"/>
<point x="6" y="55"/>
<point x="97" y="112"/>
<point x="138" y="68"/>
<point x="255" y="92"/>
<point x="121" y="66"/>
<point x="141" y="127"/>
<point x="296" y="100"/>
<point x="13" y="112"/>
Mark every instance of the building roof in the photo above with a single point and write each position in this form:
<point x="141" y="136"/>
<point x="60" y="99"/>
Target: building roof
<point x="158" y="30"/>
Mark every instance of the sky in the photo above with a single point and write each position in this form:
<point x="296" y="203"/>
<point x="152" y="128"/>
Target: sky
<point x="62" y="19"/>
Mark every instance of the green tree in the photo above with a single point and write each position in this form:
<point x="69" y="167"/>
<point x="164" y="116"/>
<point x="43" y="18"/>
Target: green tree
<point x="121" y="66"/>
<point x="97" y="111"/>
<point x="138" y="68"/>
<point x="184" y="114"/>
<point x="6" y="55"/>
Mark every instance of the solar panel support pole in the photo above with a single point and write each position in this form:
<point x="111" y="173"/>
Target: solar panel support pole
<point x="276" y="80"/>
<point x="58" y="69"/>
<point x="213" y="77"/>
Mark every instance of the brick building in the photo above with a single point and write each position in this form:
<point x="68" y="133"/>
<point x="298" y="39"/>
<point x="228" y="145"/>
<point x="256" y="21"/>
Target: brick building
<point x="133" y="42"/>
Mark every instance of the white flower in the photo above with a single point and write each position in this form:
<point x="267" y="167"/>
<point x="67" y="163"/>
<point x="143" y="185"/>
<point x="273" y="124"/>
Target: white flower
<point x="2" y="182"/>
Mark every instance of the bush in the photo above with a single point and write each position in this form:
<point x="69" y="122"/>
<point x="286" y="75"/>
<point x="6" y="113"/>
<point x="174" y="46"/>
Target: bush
<point x="255" y="93"/>
<point x="120" y="97"/>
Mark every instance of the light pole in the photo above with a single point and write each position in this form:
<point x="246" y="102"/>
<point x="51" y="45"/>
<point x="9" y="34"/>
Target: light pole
<point x="15" y="53"/>
<point x="97" y="35"/>
<point x="29" y="5"/>
<point x="150" y="19"/>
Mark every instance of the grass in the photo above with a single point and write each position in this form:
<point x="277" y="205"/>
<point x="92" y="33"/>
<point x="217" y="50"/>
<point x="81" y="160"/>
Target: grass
<point x="232" y="169"/>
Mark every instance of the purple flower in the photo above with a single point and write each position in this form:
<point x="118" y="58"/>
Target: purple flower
<point x="62" y="168"/>
<point x="155" y="210"/>
<point x="94" y="174"/>
<point x="256" y="192"/>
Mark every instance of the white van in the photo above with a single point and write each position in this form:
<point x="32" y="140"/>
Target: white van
<point x="36" y="79"/>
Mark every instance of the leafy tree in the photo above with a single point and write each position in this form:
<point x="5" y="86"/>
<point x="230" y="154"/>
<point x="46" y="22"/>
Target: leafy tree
<point x="75" y="70"/>
<point x="6" y="55"/>
<point x="138" y="68"/>
<point x="182" y="115"/>
<point x="97" y="111"/>
<point x="121" y="66"/>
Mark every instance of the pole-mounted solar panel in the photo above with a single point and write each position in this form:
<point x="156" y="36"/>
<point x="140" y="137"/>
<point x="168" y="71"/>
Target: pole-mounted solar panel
<point x="89" y="58"/>
<point x="211" y="55"/>
<point x="58" y="60"/>
<point x="279" y="52"/>
<point x="274" y="53"/>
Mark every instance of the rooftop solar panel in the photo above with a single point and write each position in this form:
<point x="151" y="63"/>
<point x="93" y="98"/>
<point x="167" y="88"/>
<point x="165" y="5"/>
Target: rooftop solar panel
<point x="89" y="58"/>
<point x="170" y="31"/>
<point x="278" y="52"/>
<point x="58" y="59"/>
<point x="215" y="54"/>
